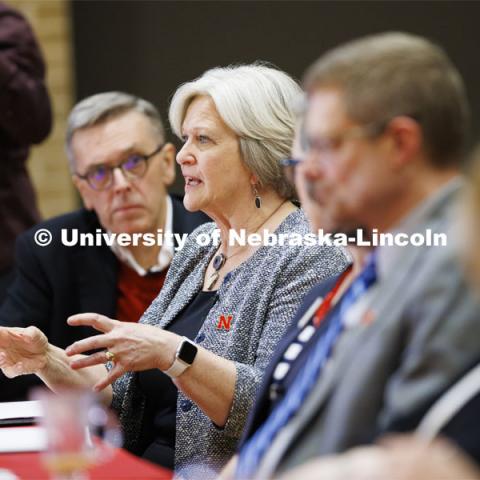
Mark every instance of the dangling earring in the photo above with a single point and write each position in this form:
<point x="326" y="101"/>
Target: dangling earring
<point x="258" y="198"/>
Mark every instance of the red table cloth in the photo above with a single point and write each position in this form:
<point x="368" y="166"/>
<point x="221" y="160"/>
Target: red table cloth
<point x="123" y="465"/>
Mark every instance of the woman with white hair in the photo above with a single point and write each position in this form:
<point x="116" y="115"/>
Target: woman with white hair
<point x="224" y="306"/>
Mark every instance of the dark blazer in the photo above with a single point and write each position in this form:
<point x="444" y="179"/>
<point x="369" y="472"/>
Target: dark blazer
<point x="54" y="282"/>
<point x="261" y="407"/>
<point x="463" y="428"/>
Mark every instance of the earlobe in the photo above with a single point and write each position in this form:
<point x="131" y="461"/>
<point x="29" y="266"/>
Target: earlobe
<point x="168" y="154"/>
<point x="169" y="150"/>
<point x="407" y="137"/>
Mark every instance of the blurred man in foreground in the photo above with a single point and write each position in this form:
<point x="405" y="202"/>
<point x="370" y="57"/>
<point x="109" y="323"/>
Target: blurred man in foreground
<point x="422" y="455"/>
<point x="385" y="127"/>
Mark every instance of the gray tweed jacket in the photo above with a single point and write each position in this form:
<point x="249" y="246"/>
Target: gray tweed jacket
<point x="262" y="294"/>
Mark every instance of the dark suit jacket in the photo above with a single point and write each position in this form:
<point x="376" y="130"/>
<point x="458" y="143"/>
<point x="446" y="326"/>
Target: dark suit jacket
<point x="56" y="281"/>
<point x="463" y="428"/>
<point x="262" y="406"/>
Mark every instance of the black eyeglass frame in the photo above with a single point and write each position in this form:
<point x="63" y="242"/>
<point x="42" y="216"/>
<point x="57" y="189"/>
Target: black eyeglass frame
<point x="110" y="168"/>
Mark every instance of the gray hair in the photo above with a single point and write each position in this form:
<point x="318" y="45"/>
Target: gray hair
<point x="102" y="107"/>
<point x="385" y="75"/>
<point x="300" y="109"/>
<point x="256" y="101"/>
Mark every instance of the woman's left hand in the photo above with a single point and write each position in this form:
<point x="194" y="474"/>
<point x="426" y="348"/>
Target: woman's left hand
<point x="135" y="347"/>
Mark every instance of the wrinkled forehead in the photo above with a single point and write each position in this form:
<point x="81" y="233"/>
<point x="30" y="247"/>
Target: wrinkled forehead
<point x="201" y="112"/>
<point x="112" y="140"/>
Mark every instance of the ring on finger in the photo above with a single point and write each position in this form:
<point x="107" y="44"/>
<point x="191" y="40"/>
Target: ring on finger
<point x="110" y="356"/>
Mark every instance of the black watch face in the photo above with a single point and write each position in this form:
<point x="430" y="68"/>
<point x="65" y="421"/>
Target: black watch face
<point x="187" y="352"/>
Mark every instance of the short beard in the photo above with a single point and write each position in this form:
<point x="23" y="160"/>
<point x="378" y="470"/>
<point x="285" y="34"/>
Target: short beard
<point x="309" y="187"/>
<point x="348" y="230"/>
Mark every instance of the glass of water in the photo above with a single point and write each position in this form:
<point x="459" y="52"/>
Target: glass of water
<point x="80" y="432"/>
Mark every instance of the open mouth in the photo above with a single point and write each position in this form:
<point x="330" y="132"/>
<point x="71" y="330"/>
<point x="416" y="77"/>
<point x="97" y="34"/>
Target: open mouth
<point x="192" y="181"/>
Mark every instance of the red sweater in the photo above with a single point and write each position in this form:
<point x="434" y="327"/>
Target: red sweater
<point x="136" y="293"/>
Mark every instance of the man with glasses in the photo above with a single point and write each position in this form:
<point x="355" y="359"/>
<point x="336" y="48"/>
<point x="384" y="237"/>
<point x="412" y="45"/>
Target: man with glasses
<point x="385" y="126"/>
<point x="121" y="166"/>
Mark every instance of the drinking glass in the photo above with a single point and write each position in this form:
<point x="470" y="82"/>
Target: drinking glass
<point x="80" y="432"/>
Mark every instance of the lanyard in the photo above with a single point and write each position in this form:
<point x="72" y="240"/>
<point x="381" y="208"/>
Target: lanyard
<point x="326" y="305"/>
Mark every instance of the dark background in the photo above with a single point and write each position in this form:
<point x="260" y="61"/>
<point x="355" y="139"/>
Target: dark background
<point x="149" y="47"/>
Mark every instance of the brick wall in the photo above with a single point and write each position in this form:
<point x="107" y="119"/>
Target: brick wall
<point x="50" y="20"/>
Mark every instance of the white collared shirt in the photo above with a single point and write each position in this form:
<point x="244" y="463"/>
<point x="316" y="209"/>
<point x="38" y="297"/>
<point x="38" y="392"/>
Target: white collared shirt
<point x="165" y="255"/>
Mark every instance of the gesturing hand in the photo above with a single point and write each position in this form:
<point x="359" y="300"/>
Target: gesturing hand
<point x="135" y="346"/>
<point x="22" y="350"/>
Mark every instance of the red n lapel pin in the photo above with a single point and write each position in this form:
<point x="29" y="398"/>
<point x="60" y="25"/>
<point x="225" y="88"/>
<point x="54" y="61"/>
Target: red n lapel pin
<point x="224" y="322"/>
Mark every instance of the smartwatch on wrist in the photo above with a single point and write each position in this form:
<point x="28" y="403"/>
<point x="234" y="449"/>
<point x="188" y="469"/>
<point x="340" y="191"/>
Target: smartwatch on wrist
<point x="184" y="357"/>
